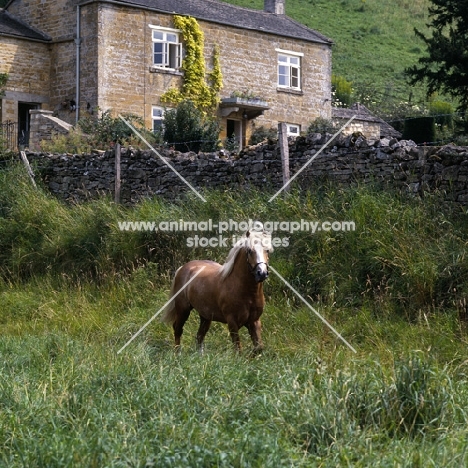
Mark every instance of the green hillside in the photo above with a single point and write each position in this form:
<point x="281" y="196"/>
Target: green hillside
<point x="374" y="42"/>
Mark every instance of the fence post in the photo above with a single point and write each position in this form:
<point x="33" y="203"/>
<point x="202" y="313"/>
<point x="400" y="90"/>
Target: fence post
<point x="28" y="168"/>
<point x="284" y="150"/>
<point x="117" y="173"/>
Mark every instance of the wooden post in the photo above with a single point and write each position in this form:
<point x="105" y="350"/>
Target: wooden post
<point x="117" y="173"/>
<point x="28" y="167"/>
<point x="284" y="150"/>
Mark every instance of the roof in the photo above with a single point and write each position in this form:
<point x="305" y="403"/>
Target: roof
<point x="14" y="27"/>
<point x="231" y="15"/>
<point x="362" y="113"/>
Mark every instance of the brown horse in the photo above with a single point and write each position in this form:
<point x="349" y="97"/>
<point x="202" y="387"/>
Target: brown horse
<point x="231" y="293"/>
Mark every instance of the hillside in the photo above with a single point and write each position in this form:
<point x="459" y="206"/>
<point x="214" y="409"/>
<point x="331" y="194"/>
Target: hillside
<point x="374" y="41"/>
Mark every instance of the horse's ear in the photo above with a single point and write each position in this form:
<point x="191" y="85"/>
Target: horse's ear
<point x="247" y="234"/>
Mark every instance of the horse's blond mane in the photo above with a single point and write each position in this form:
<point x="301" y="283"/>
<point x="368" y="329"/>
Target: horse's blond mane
<point x="244" y="243"/>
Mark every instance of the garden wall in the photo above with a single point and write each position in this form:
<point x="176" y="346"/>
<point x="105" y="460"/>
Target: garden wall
<point x="398" y="164"/>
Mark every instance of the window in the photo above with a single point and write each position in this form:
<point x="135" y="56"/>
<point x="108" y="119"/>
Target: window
<point x="289" y="70"/>
<point x="293" y="129"/>
<point x="157" y="116"/>
<point x="166" y="48"/>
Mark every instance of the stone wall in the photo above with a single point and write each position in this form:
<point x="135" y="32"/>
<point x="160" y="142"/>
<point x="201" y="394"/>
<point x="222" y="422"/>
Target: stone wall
<point x="44" y="126"/>
<point x="398" y="164"/>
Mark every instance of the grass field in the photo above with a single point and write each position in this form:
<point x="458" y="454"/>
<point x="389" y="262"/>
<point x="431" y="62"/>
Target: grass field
<point x="74" y="289"/>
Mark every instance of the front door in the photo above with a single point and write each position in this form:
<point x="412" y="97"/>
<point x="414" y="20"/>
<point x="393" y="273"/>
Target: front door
<point x="234" y="133"/>
<point x="24" y="120"/>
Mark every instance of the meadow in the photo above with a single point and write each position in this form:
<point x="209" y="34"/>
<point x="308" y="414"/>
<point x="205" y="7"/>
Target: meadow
<point x="75" y="288"/>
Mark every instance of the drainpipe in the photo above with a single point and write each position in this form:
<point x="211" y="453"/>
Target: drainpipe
<point x="78" y="46"/>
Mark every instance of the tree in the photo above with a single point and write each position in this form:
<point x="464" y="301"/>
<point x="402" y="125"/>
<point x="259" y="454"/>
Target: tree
<point x="446" y="67"/>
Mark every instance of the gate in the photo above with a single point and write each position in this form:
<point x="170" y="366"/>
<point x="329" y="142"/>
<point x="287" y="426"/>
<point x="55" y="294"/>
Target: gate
<point x="9" y="136"/>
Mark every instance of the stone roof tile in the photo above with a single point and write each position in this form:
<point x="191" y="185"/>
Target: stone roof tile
<point x="14" y="27"/>
<point x="232" y="15"/>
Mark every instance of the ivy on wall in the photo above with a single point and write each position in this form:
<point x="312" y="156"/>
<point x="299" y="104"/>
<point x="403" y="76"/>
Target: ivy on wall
<point x="3" y="82"/>
<point x="205" y="95"/>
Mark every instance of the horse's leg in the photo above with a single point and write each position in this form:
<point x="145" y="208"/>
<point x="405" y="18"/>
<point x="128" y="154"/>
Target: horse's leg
<point x="234" y="331"/>
<point x="202" y="331"/>
<point x="255" y="330"/>
<point x="178" y="325"/>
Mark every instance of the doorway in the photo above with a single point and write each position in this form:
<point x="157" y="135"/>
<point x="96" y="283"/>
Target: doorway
<point x="24" y="122"/>
<point x="234" y="133"/>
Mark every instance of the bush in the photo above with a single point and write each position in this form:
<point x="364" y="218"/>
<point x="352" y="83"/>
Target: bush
<point x="99" y="133"/>
<point x="188" y="129"/>
<point x="321" y="125"/>
<point x="261" y="134"/>
<point x="342" y="91"/>
<point x="442" y="112"/>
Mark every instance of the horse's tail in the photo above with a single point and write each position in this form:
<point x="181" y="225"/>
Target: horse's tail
<point x="169" y="314"/>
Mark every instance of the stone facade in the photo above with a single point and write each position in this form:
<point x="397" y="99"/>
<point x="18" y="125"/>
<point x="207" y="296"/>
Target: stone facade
<point x="28" y="67"/>
<point x="58" y="20"/>
<point x="127" y="82"/>
<point x="114" y="51"/>
<point x="400" y="165"/>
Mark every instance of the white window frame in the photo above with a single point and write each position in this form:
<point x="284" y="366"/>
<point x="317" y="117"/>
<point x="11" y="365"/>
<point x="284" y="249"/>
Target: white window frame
<point x="293" y="130"/>
<point x="289" y="69"/>
<point x="167" y="48"/>
<point x="157" y="115"/>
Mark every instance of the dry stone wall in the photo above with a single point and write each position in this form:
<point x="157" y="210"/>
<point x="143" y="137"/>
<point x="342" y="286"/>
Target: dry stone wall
<point x="397" y="164"/>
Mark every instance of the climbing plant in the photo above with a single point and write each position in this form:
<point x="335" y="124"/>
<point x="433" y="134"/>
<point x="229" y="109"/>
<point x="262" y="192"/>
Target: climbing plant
<point x="3" y="82"/>
<point x="205" y="95"/>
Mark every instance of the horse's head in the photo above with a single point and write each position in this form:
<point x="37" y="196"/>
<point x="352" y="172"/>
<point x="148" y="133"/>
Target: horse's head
<point x="258" y="246"/>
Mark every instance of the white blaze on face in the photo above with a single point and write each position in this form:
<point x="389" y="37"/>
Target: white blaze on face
<point x="258" y="250"/>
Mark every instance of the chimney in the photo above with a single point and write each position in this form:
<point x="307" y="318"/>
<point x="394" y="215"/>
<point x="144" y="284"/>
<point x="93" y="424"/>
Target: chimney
<point x="274" y="6"/>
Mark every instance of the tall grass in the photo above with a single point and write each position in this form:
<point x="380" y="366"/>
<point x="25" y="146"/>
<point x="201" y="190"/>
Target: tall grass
<point x="405" y="255"/>
<point x="74" y="289"/>
<point x="65" y="403"/>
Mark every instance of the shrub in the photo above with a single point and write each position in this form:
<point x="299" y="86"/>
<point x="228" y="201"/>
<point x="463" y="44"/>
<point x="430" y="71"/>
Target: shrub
<point x="187" y="129"/>
<point x="443" y="113"/>
<point x="99" y="133"/>
<point x="342" y="91"/>
<point x="261" y="134"/>
<point x="322" y="125"/>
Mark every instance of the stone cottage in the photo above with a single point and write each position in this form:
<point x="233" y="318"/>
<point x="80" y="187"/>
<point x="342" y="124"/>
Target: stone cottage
<point x="371" y="126"/>
<point x="72" y="57"/>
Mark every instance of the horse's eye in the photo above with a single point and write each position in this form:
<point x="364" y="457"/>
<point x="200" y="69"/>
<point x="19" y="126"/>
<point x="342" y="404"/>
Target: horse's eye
<point x="249" y="251"/>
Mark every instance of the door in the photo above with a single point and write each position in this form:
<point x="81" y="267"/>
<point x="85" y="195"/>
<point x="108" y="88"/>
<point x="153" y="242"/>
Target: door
<point x="234" y="133"/>
<point x="24" y="120"/>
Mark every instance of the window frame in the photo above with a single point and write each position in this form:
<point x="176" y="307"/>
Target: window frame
<point x="159" y="118"/>
<point x="289" y="64"/>
<point x="289" y="133"/>
<point x="171" y="48"/>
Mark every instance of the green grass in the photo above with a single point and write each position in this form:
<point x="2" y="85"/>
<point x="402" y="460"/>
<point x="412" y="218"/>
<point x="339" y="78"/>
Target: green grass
<point x="374" y="42"/>
<point x="74" y="289"/>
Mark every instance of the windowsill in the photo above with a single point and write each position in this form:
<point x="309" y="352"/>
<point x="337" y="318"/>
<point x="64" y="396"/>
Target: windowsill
<point x="166" y="71"/>
<point x="297" y="92"/>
